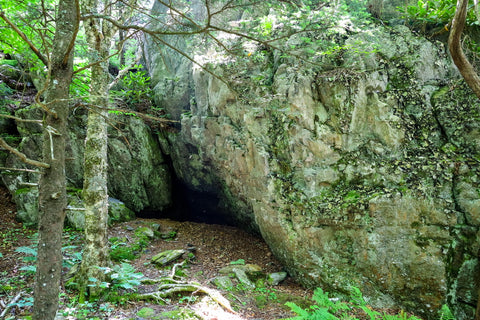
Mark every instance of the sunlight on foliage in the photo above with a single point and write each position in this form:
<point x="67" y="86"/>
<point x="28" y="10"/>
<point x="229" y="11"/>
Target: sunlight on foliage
<point x="326" y="308"/>
<point x="436" y="12"/>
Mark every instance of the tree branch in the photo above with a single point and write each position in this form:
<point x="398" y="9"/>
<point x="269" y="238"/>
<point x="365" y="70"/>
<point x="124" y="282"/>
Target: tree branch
<point x="454" y="44"/>
<point x="17" y="169"/>
<point x="24" y="38"/>
<point x="20" y="119"/>
<point x="22" y="156"/>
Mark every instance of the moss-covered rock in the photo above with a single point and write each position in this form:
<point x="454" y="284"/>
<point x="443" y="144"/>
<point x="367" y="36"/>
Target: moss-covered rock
<point x="138" y="174"/>
<point x="361" y="171"/>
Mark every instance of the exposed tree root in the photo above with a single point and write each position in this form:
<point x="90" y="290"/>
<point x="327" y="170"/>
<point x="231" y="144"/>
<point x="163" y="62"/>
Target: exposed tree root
<point x="170" y="287"/>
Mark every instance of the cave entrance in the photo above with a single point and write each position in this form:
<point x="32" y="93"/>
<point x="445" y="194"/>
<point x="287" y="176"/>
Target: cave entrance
<point x="191" y="205"/>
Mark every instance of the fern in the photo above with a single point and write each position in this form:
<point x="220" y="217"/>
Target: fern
<point x="302" y="314"/>
<point x="319" y="313"/>
<point x="322" y="299"/>
<point x="27" y="250"/>
<point x="328" y="309"/>
<point x="446" y="314"/>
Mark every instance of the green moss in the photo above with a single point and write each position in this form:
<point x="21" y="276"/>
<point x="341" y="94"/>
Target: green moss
<point x="261" y="301"/>
<point x="120" y="250"/>
<point x="74" y="191"/>
<point x="22" y="191"/>
<point x="180" y="314"/>
<point x="146" y="313"/>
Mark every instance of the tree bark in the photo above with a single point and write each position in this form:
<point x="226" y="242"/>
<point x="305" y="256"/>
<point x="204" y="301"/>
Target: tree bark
<point x="95" y="253"/>
<point x="52" y="186"/>
<point x="455" y="45"/>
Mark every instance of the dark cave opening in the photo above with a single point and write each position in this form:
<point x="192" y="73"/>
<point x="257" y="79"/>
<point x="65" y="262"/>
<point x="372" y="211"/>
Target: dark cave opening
<point x="191" y="205"/>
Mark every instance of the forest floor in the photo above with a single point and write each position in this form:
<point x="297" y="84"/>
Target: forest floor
<point x="216" y="246"/>
<point x="212" y="247"/>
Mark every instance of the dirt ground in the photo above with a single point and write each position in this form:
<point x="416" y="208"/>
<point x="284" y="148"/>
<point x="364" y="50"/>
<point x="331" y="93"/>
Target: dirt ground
<point x="215" y="246"/>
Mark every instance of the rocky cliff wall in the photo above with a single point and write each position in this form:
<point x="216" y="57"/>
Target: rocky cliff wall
<point x="360" y="172"/>
<point x="138" y="173"/>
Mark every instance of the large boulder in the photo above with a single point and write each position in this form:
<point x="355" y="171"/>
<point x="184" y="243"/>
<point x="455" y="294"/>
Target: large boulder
<point x="138" y="174"/>
<point x="360" y="173"/>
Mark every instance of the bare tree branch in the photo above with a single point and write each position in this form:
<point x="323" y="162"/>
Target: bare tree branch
<point x="22" y="170"/>
<point x="22" y="156"/>
<point x="88" y="66"/>
<point x="20" y="119"/>
<point x="455" y="45"/>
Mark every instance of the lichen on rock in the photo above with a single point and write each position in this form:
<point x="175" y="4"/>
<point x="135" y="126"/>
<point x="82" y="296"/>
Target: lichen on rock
<point x="358" y="172"/>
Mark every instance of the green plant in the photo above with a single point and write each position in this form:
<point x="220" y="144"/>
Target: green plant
<point x="445" y="313"/>
<point x="70" y="257"/>
<point x="5" y="90"/>
<point x="266" y="26"/>
<point x="326" y="308"/>
<point x="76" y="310"/>
<point x="269" y="293"/>
<point x="124" y="276"/>
<point x="120" y="250"/>
<point x="31" y="256"/>
<point x="238" y="262"/>
<point x="435" y="12"/>
<point x="137" y="87"/>
<point x="23" y="302"/>
<point x="187" y="299"/>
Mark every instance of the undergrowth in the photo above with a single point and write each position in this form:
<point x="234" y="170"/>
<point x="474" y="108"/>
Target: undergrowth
<point x="326" y="308"/>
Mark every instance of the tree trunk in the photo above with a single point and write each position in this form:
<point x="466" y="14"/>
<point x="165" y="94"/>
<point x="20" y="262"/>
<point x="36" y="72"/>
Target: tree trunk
<point x="455" y="46"/>
<point x="95" y="252"/>
<point x="52" y="187"/>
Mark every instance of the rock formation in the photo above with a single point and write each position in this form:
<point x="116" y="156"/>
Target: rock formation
<point x="362" y="172"/>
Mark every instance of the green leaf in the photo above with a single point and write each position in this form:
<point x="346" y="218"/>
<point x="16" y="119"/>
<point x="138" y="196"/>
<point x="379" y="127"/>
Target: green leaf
<point x="27" y="250"/>
<point x="298" y="310"/>
<point x="239" y="261"/>
<point x="29" y="268"/>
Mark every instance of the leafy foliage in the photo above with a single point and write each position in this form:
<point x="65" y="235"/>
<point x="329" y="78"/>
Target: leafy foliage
<point x="120" y="250"/>
<point x="136" y="88"/>
<point x="5" y="90"/>
<point x="434" y="12"/>
<point x="122" y="276"/>
<point x="71" y="256"/>
<point x="445" y="313"/>
<point x="35" y="22"/>
<point x="326" y="308"/>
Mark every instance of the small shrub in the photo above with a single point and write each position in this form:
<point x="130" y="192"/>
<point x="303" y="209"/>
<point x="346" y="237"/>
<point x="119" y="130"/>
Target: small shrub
<point x="137" y="88"/>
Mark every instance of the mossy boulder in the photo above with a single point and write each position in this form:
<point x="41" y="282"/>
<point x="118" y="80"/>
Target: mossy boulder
<point x="166" y="257"/>
<point x="360" y="171"/>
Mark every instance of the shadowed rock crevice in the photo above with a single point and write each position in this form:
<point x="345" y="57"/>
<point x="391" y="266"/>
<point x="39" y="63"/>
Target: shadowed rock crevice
<point x="191" y="205"/>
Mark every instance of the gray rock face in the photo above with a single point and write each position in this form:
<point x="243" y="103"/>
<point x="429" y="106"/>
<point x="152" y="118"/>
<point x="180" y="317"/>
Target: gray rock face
<point x="362" y="174"/>
<point x="138" y="175"/>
